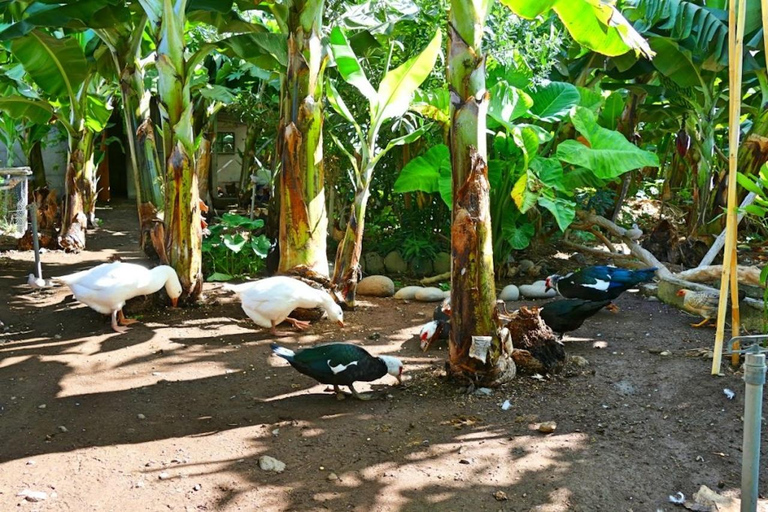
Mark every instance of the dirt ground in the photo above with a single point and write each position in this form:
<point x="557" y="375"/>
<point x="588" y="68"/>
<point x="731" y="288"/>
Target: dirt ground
<point x="175" y="414"/>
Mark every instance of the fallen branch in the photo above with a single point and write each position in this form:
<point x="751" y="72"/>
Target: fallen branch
<point x="634" y="248"/>
<point x="719" y="242"/>
<point x="435" y="279"/>
<point x="603" y="239"/>
<point x="598" y="252"/>
<point x="712" y="273"/>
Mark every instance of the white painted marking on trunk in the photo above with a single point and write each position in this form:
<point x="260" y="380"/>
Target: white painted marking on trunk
<point x="340" y="367"/>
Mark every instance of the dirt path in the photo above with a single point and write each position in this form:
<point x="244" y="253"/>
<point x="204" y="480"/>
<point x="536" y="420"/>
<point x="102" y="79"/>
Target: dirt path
<point x="175" y="414"/>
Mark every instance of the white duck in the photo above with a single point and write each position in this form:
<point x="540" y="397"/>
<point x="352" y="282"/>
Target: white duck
<point x="107" y="287"/>
<point x="269" y="301"/>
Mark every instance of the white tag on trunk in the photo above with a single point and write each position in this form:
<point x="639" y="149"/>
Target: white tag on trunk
<point x="480" y="347"/>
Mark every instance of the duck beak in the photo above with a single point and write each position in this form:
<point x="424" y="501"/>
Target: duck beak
<point x="175" y="302"/>
<point x="341" y="323"/>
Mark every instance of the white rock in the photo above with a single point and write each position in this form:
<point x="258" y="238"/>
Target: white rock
<point x="447" y="294"/>
<point x="536" y="290"/>
<point x="267" y="463"/>
<point x="376" y="286"/>
<point x="430" y="294"/>
<point x="507" y="405"/>
<point x="141" y="416"/>
<point x="407" y="292"/>
<point x="164" y="476"/>
<point x="33" y="496"/>
<point x="510" y="292"/>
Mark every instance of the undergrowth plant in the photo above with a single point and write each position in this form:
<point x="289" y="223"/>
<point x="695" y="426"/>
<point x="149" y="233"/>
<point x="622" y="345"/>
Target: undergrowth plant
<point x="232" y="249"/>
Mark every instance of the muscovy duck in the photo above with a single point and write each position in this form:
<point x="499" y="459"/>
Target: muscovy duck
<point x="439" y="328"/>
<point x="269" y="301"/>
<point x="598" y="283"/>
<point x="341" y="364"/>
<point x="568" y="315"/>
<point x="107" y="287"/>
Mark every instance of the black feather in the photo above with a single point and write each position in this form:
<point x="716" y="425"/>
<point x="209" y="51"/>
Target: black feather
<point x="319" y="362"/>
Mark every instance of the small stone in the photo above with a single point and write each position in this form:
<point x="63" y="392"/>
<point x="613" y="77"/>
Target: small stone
<point x="139" y="484"/>
<point x="483" y="392"/>
<point x="332" y="477"/>
<point x="425" y="442"/>
<point x="500" y="496"/>
<point x="407" y="292"/>
<point x="197" y="487"/>
<point x="509" y="293"/>
<point x="62" y="428"/>
<point x="665" y="353"/>
<point x="600" y="344"/>
<point x="374" y="337"/>
<point x="41" y="406"/>
<point x="376" y="286"/>
<point x="31" y="463"/>
<point x="141" y="416"/>
<point x="525" y="266"/>
<point x="430" y="294"/>
<point x="547" y="427"/>
<point x="164" y="476"/>
<point x="33" y="496"/>
<point x="276" y="432"/>
<point x="267" y="463"/>
<point x="465" y="461"/>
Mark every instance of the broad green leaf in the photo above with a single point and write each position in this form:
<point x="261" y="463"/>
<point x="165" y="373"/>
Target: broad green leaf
<point x="234" y="243"/>
<point x="507" y="104"/>
<point x="550" y="172"/>
<point x="563" y="210"/>
<point x="97" y="113"/>
<point x="403" y="139"/>
<point x="764" y="275"/>
<point x="218" y="93"/>
<point x="265" y="49"/>
<point x="748" y="184"/>
<point x="521" y="194"/>
<point x="260" y="246"/>
<point x="349" y="68"/>
<point x="579" y="178"/>
<point x="674" y="62"/>
<point x="57" y="66"/>
<point x="590" y="99"/>
<point x="614" y="106"/>
<point x="219" y="276"/>
<point x="610" y="154"/>
<point x="423" y="172"/>
<point x="336" y="101"/>
<point x="518" y="235"/>
<point x="18" y="107"/>
<point x="541" y="133"/>
<point x="527" y="140"/>
<point x="398" y="85"/>
<point x="445" y="185"/>
<point x="553" y="101"/>
<point x="595" y="24"/>
<point x="234" y="220"/>
<point x="433" y="105"/>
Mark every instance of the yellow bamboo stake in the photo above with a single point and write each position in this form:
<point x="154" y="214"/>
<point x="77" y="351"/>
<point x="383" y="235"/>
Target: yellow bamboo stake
<point x="735" y="44"/>
<point x="735" y="313"/>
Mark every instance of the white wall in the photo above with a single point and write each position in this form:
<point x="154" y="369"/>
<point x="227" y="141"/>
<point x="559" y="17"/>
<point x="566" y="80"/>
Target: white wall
<point x="226" y="167"/>
<point x="54" y="157"/>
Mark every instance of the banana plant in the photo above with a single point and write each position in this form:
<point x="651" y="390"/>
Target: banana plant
<point x="80" y="101"/>
<point x="390" y="101"/>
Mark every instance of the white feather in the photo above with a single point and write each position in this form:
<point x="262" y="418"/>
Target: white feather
<point x="340" y="367"/>
<point x="283" y="352"/>
<point x="599" y="285"/>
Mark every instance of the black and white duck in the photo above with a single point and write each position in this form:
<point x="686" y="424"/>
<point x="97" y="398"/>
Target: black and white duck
<point x="568" y="315"/>
<point x="598" y="283"/>
<point x="341" y="364"/>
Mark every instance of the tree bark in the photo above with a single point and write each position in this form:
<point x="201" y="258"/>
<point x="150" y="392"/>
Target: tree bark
<point x="37" y="164"/>
<point x="79" y="198"/>
<point x="346" y="271"/>
<point x="144" y="158"/>
<point x="303" y="220"/>
<point x="204" y="160"/>
<point x="473" y="293"/>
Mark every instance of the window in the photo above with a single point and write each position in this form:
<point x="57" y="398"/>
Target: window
<point x="225" y="142"/>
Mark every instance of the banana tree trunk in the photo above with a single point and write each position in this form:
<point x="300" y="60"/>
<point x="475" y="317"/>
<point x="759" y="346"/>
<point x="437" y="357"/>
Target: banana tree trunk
<point x="473" y="294"/>
<point x="183" y="229"/>
<point x="79" y="195"/>
<point x="37" y="164"/>
<point x="303" y="220"/>
<point x="249" y="153"/>
<point x="346" y="271"/>
<point x="204" y="160"/>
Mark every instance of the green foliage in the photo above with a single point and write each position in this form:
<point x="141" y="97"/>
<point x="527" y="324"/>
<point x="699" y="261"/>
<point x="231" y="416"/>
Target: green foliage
<point x="231" y="248"/>
<point x="418" y="249"/>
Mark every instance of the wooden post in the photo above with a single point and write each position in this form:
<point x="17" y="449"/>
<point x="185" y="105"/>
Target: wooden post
<point x="735" y="45"/>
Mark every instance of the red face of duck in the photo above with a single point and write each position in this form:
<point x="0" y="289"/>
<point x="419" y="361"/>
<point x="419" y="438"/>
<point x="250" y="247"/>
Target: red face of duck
<point x="550" y="283"/>
<point x="426" y="335"/>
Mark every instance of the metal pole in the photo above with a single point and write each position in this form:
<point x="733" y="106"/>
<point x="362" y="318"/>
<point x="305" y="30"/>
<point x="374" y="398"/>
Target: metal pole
<point x="754" y="376"/>
<point x="35" y="239"/>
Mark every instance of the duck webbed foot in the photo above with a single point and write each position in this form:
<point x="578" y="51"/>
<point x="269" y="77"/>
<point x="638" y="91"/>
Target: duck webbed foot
<point x="613" y="308"/>
<point x="358" y="395"/>
<point x="123" y="320"/>
<point x="117" y="328"/>
<point x="703" y="323"/>
<point x="299" y="324"/>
